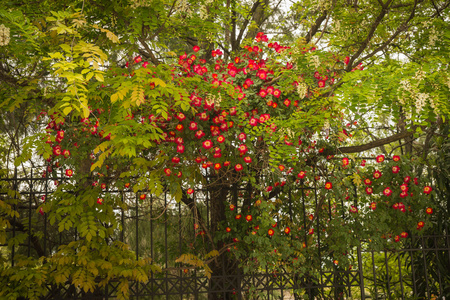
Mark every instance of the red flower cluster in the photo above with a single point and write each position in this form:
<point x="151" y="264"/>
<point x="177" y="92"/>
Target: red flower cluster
<point x="301" y="175"/>
<point x="380" y="158"/>
<point x="427" y="189"/>
<point x="387" y="191"/>
<point x="345" y="161"/>
<point x="353" y="209"/>
<point x="377" y="174"/>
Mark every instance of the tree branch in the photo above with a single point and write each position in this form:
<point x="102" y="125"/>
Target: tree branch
<point x="371" y="145"/>
<point x="371" y="33"/>
<point x="313" y="30"/>
<point x="149" y="52"/>
<point x="404" y="26"/>
<point x="439" y="10"/>
<point x="190" y="203"/>
<point x="326" y="23"/>
<point x="244" y="26"/>
<point x="37" y="245"/>
<point x="160" y="29"/>
<point x="268" y="16"/>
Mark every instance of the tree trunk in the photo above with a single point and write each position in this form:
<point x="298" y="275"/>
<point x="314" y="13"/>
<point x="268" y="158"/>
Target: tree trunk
<point x="225" y="282"/>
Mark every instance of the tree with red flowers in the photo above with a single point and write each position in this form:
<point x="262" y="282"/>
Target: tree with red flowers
<point x="254" y="120"/>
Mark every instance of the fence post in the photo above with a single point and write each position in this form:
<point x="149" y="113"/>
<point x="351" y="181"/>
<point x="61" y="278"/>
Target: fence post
<point x="15" y="188"/>
<point x="361" y="273"/>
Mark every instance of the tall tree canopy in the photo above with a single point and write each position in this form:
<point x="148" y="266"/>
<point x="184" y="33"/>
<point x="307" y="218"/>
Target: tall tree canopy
<point x="181" y="96"/>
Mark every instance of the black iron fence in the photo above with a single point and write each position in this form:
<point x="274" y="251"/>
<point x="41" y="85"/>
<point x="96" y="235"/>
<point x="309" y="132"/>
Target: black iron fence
<point x="163" y="229"/>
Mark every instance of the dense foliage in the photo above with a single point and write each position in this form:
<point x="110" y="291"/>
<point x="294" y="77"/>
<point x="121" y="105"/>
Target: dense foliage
<point x="337" y="116"/>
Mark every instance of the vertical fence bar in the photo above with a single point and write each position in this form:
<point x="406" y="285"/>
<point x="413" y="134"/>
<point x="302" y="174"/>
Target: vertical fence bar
<point x="208" y="211"/>
<point x="29" y="213"/>
<point x="13" y="250"/>
<point x="224" y="286"/>
<point x="411" y="255"/>
<point x="180" y="273"/>
<point x="400" y="275"/>
<point x="388" y="281"/>
<point x="136" y="203"/>
<point x="151" y="243"/>
<point x="436" y="246"/>
<point x="290" y="204"/>
<point x="122" y="220"/>
<point x="195" y="220"/>
<point x="165" y="245"/>
<point x="45" y="217"/>
<point x="318" y="232"/>
<point x="304" y="226"/>
<point x="60" y="234"/>
<point x="447" y="245"/>
<point x="359" y="252"/>
<point x="425" y="267"/>
<point x="361" y="272"/>
<point x="196" y="288"/>
<point x="374" y="276"/>
<point x="290" y="218"/>
<point x="304" y="212"/>
<point x="235" y="195"/>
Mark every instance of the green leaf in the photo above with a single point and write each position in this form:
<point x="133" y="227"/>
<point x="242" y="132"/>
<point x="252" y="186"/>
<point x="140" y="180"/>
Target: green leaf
<point x="86" y="112"/>
<point x="99" y="77"/>
<point x="67" y="110"/>
<point x="158" y="81"/>
<point x="89" y="76"/>
<point x="114" y="98"/>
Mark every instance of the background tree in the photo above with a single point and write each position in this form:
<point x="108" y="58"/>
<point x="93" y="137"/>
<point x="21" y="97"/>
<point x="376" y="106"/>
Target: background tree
<point x="91" y="70"/>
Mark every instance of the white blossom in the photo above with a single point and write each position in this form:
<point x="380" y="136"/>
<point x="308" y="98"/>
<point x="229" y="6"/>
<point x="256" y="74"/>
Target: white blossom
<point x="337" y="25"/>
<point x="373" y="95"/>
<point x="426" y="23"/>
<point x="434" y="104"/>
<point x="113" y="20"/>
<point x="420" y="75"/>
<point x="4" y="35"/>
<point x="302" y="90"/>
<point x="183" y="7"/>
<point x="203" y="12"/>
<point x="405" y="86"/>
<point x="141" y="3"/>
<point x="421" y="99"/>
<point x="315" y="61"/>
<point x="217" y="100"/>
<point x="433" y="37"/>
<point x="323" y="5"/>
